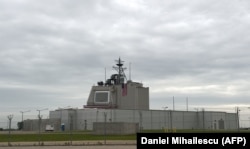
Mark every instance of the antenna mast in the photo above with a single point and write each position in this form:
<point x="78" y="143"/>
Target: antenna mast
<point x="120" y="70"/>
<point x="105" y="74"/>
<point x="130" y="71"/>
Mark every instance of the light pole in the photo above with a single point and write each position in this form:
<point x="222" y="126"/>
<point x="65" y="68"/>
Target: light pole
<point x="249" y="123"/>
<point x="249" y="118"/>
<point x="71" y="127"/>
<point x="41" y="110"/>
<point x="164" y="108"/>
<point x="105" y="121"/>
<point x="140" y="124"/>
<point x="238" y="118"/>
<point x="10" y="118"/>
<point x="39" y="121"/>
<point x="96" y="115"/>
<point x="197" y="117"/>
<point x="22" y="116"/>
<point x="171" y="120"/>
<point x="173" y="103"/>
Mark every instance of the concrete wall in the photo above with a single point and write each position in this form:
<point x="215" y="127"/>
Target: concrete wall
<point x="115" y="128"/>
<point x="83" y="119"/>
<point x="137" y="97"/>
<point x="33" y="125"/>
<point x="143" y="98"/>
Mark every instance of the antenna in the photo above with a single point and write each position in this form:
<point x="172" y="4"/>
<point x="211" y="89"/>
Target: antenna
<point x="105" y="75"/>
<point x="120" y="70"/>
<point x="130" y="71"/>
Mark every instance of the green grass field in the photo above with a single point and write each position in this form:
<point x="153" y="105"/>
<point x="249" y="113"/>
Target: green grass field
<point x="55" y="136"/>
<point x="84" y="136"/>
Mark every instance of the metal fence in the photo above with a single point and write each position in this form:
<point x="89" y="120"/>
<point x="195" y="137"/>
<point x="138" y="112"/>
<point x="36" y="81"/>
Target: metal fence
<point x="82" y="119"/>
<point x="148" y="119"/>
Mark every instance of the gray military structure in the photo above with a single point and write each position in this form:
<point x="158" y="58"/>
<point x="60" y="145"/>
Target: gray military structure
<point x="118" y="93"/>
<point x="124" y="105"/>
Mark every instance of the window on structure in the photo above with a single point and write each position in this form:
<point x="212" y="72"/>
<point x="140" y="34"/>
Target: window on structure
<point x="101" y="96"/>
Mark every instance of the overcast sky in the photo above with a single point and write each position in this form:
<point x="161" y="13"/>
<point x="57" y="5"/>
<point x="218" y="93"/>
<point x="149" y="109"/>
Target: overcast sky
<point x="191" y="54"/>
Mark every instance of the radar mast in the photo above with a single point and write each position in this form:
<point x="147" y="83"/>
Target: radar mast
<point x="121" y="75"/>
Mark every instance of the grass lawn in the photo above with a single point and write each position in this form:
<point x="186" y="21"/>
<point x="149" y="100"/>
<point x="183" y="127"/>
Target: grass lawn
<point x="54" y="136"/>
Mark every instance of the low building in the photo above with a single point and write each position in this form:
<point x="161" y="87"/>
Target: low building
<point x="83" y="119"/>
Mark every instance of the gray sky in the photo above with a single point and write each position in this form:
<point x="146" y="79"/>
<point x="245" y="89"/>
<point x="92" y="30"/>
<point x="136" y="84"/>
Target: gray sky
<point x="53" y="51"/>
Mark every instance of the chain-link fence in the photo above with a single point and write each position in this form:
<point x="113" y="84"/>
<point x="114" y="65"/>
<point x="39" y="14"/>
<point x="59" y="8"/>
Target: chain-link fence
<point x="79" y="119"/>
<point x="70" y="121"/>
